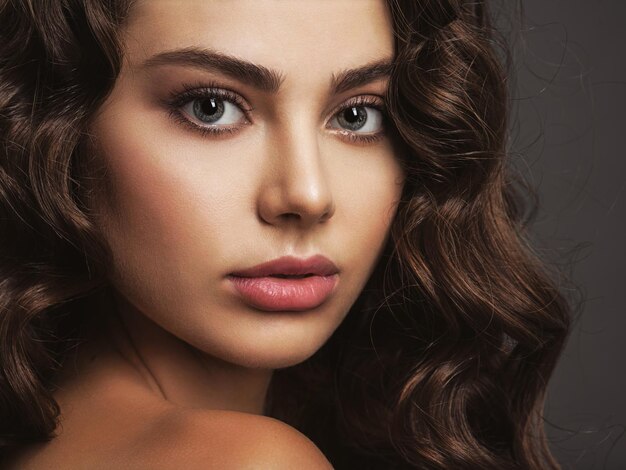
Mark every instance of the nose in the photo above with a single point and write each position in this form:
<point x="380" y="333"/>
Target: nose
<point x="296" y="189"/>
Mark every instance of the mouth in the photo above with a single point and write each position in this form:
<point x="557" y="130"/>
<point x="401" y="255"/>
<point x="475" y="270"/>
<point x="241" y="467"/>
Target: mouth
<point x="287" y="284"/>
<point x="291" y="276"/>
<point x="289" y="266"/>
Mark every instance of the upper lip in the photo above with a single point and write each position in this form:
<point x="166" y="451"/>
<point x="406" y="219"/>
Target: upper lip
<point x="316" y="265"/>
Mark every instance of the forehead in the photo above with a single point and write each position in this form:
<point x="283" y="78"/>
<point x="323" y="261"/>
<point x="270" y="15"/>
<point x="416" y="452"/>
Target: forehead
<point x="305" y="37"/>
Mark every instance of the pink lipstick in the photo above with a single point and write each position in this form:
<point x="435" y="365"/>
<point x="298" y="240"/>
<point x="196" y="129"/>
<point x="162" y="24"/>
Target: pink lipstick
<point x="287" y="283"/>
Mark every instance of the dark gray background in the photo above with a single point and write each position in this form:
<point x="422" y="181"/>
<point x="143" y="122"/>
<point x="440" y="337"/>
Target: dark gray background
<point x="569" y="139"/>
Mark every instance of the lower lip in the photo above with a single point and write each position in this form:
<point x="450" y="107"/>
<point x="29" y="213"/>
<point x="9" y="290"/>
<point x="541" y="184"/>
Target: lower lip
<point x="278" y="294"/>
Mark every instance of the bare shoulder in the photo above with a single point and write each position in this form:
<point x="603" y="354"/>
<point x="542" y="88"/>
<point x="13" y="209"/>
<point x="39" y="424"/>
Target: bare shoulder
<point x="109" y="421"/>
<point x="175" y="438"/>
<point x="225" y="440"/>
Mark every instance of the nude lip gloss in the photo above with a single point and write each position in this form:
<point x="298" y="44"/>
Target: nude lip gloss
<point x="276" y="294"/>
<point x="287" y="283"/>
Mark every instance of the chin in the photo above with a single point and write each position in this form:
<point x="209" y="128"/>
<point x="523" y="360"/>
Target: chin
<point x="273" y="355"/>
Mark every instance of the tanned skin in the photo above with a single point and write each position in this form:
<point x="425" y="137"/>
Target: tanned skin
<point x="178" y="376"/>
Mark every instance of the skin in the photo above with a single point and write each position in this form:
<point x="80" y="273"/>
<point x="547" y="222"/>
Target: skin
<point x="182" y="210"/>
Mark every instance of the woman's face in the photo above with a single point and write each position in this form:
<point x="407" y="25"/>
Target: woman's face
<point x="239" y="132"/>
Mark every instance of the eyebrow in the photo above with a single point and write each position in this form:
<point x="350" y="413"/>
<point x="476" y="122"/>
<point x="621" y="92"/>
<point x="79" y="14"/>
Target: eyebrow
<point x="353" y="78"/>
<point x="260" y="77"/>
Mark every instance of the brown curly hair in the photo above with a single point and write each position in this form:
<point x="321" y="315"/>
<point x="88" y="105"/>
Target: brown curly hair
<point x="443" y="360"/>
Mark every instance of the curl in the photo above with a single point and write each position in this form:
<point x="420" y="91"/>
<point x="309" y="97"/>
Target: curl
<point x="443" y="360"/>
<point x="58" y="60"/>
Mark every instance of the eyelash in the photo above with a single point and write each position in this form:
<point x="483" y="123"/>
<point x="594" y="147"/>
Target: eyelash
<point x="212" y="90"/>
<point x="193" y="92"/>
<point x="358" y="102"/>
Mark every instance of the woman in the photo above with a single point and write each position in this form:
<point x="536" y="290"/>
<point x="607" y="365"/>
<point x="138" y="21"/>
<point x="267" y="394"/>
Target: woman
<point x="270" y="234"/>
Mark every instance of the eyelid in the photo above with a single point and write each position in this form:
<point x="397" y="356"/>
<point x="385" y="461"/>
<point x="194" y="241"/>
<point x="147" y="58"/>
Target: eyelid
<point x="207" y="90"/>
<point x="371" y="101"/>
<point x="360" y="138"/>
<point x="190" y="92"/>
<point x="178" y="99"/>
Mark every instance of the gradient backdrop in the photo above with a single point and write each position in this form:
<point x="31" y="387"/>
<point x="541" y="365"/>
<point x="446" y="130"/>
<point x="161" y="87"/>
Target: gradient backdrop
<point x="569" y="141"/>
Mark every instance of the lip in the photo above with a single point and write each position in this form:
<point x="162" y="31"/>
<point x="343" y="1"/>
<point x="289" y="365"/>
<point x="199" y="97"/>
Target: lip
<point x="259" y="287"/>
<point x="318" y="265"/>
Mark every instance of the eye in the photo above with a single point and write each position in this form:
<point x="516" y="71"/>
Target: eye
<point x="208" y="109"/>
<point x="362" y="117"/>
<point x="358" y="118"/>
<point x="213" y="110"/>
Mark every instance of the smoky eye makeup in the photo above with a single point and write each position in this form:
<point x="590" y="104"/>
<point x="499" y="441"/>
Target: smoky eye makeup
<point x="209" y="109"/>
<point x="213" y="110"/>
<point x="362" y="119"/>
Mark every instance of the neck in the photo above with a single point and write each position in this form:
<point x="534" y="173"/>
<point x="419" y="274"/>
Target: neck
<point x="179" y="373"/>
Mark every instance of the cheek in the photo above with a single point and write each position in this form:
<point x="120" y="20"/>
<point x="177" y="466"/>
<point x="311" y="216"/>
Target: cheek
<point x="370" y="198"/>
<point x="178" y="212"/>
<point x="165" y="212"/>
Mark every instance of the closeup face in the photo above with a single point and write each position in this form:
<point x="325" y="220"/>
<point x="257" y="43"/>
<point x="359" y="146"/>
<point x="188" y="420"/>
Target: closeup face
<point x="239" y="132"/>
